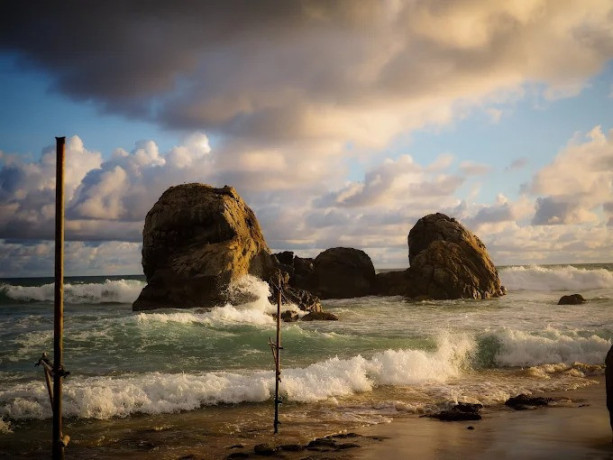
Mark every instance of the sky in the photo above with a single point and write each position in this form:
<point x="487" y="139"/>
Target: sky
<point x="340" y="123"/>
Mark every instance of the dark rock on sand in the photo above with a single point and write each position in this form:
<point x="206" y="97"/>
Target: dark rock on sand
<point x="448" y="262"/>
<point x="343" y="273"/>
<point x="523" y="402"/>
<point x="608" y="372"/>
<point x="573" y="299"/>
<point x="459" y="412"/>
<point x="320" y="316"/>
<point x="264" y="449"/>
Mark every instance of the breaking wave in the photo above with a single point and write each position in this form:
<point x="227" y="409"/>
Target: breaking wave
<point x="560" y="278"/>
<point x="152" y="393"/>
<point x="109" y="291"/>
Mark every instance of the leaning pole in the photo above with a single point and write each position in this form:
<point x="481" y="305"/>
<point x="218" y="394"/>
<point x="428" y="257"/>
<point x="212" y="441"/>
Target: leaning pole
<point x="58" y="317"/>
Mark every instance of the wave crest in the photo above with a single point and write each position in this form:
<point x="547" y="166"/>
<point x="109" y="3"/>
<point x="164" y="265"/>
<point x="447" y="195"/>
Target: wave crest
<point x="562" y="278"/>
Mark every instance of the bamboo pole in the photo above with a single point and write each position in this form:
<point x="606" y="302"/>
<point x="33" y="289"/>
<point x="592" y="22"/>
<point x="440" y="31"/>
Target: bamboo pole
<point x="58" y="318"/>
<point x="278" y="357"/>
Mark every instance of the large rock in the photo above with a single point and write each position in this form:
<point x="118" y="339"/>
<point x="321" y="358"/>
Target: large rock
<point x="343" y="273"/>
<point x="448" y="262"/>
<point x="197" y="239"/>
<point x="392" y="282"/>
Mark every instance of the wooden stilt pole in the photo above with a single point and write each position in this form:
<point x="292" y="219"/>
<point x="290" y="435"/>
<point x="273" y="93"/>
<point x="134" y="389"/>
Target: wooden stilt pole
<point x="278" y="360"/>
<point x="276" y="353"/>
<point x="58" y="318"/>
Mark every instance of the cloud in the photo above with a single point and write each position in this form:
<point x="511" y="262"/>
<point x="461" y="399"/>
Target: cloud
<point x="392" y="182"/>
<point x="335" y="71"/>
<point x="474" y="169"/>
<point x="36" y="258"/>
<point x="283" y="88"/>
<point x="518" y="163"/>
<point x="577" y="183"/>
<point x="300" y="210"/>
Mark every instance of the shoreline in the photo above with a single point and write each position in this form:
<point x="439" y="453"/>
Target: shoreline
<point x="575" y="426"/>
<point x="573" y="430"/>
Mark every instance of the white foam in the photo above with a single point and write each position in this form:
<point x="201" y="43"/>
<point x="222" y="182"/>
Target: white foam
<point x="520" y="348"/>
<point x="568" y="278"/>
<point x="250" y="305"/>
<point x="104" y="397"/>
<point x="116" y="291"/>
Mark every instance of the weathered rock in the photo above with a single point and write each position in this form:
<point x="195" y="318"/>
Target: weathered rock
<point x="197" y="239"/>
<point x="285" y="257"/>
<point x="343" y="273"/>
<point x="320" y="316"/>
<point x="609" y="383"/>
<point x="449" y="262"/>
<point x="292" y="295"/>
<point x="304" y="273"/>
<point x="288" y="316"/>
<point x="264" y="449"/>
<point x="459" y="412"/>
<point x="573" y="299"/>
<point x="392" y="283"/>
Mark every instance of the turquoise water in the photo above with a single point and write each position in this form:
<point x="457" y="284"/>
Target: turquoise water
<point x="385" y="355"/>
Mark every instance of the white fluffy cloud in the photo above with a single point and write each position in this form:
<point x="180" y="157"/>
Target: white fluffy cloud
<point x="577" y="185"/>
<point x="107" y="201"/>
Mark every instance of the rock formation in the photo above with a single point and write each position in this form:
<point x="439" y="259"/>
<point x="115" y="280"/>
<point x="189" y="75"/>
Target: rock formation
<point x="447" y="261"/>
<point x="343" y="273"/>
<point x="336" y="273"/>
<point x="197" y="239"/>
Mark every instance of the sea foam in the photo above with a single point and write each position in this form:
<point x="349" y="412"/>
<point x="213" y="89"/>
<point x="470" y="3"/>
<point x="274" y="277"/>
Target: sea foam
<point x="519" y="348"/>
<point x="110" y="291"/>
<point x="561" y="278"/>
<point x="151" y="393"/>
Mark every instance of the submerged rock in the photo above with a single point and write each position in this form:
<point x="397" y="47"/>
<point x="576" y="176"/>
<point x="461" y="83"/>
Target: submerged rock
<point x="447" y="261"/>
<point x="573" y="299"/>
<point x="319" y="316"/>
<point x="523" y="402"/>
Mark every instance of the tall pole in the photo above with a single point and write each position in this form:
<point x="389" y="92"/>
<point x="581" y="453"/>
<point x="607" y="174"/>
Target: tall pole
<point x="278" y="357"/>
<point x="58" y="318"/>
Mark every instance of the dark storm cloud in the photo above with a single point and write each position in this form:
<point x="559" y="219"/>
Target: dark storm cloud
<point x="155" y="59"/>
<point x="277" y="70"/>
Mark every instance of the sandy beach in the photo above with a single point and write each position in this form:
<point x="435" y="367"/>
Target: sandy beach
<point x="575" y="430"/>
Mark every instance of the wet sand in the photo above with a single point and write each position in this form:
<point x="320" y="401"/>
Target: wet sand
<point x="573" y="430"/>
<point x="576" y="428"/>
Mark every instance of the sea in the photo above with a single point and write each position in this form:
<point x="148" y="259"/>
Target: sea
<point x="159" y="384"/>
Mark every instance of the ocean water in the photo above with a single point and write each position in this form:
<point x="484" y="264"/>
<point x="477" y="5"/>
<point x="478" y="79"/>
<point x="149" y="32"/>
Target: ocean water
<point x="156" y="383"/>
